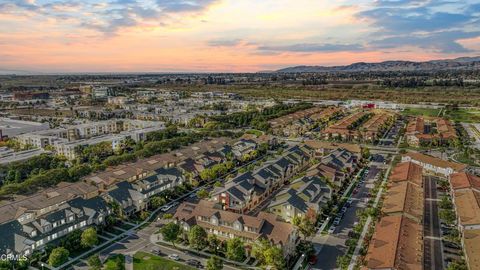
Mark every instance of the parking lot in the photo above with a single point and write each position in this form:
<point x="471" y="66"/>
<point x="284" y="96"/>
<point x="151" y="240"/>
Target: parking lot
<point x="389" y="139"/>
<point x="331" y="245"/>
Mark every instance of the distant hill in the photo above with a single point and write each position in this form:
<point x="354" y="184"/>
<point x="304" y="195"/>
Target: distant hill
<point x="462" y="63"/>
<point x="17" y="72"/>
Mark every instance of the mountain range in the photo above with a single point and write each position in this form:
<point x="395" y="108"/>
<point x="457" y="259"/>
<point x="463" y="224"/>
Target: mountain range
<point x="462" y="63"/>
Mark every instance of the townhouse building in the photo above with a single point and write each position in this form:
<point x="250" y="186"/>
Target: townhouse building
<point x="30" y="223"/>
<point x="247" y="190"/>
<point x="308" y="193"/>
<point x="397" y="242"/>
<point x="226" y="225"/>
<point x="434" y="165"/>
<point x="345" y="128"/>
<point x="465" y="193"/>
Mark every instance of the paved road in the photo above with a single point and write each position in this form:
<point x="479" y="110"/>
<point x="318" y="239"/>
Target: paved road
<point x="333" y="245"/>
<point x="433" y="255"/>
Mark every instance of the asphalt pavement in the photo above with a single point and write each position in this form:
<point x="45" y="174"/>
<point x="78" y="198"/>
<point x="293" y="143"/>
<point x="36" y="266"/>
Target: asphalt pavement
<point x="433" y="255"/>
<point x="330" y="246"/>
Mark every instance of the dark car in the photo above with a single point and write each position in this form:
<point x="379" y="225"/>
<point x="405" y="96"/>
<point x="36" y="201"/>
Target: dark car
<point x="156" y="251"/>
<point x="194" y="262"/>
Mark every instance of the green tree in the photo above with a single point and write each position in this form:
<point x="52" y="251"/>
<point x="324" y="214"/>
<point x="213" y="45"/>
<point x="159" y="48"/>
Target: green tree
<point x="157" y="202"/>
<point x="343" y="261"/>
<point x="235" y="249"/>
<point x="89" y="238"/>
<point x="197" y="237"/>
<point x="170" y="232"/>
<point x="274" y="257"/>
<point x="214" y="263"/>
<point x="304" y="225"/>
<point x="144" y="215"/>
<point x="167" y="216"/>
<point x="213" y="243"/>
<point x="94" y="262"/>
<point x="268" y="255"/>
<point x="58" y="256"/>
<point x="202" y="194"/>
<point x="457" y="265"/>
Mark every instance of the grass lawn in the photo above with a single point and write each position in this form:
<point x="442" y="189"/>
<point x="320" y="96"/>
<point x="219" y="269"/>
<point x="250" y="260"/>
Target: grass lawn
<point x="110" y="262"/>
<point x="254" y="132"/>
<point x="464" y="115"/>
<point x="146" y="261"/>
<point x="421" y="111"/>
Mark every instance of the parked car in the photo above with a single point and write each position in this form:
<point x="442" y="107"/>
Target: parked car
<point x="331" y="229"/>
<point x="336" y="221"/>
<point x="174" y="257"/>
<point x="165" y="208"/>
<point x="312" y="260"/>
<point x="194" y="262"/>
<point x="451" y="244"/>
<point x="344" y="209"/>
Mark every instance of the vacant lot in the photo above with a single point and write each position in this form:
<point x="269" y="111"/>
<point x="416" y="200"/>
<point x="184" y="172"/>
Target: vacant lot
<point x="421" y="111"/>
<point x="146" y="261"/>
<point x="464" y="115"/>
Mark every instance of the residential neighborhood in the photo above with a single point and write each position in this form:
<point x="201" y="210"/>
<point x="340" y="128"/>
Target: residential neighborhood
<point x="283" y="186"/>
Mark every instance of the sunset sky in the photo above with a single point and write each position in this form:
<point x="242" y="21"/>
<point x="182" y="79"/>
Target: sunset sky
<point x="229" y="35"/>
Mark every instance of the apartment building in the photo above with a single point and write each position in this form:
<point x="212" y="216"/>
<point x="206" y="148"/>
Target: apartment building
<point x="433" y="164"/>
<point x="424" y="131"/>
<point x="308" y="193"/>
<point x="226" y="225"/>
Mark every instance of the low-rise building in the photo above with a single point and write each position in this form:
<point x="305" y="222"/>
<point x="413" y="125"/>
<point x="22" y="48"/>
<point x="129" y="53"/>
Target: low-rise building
<point x="308" y="193"/>
<point x="397" y="243"/>
<point x="433" y="164"/>
<point x="471" y="244"/>
<point x="226" y="225"/>
<point x="29" y="223"/>
<point x="426" y="131"/>
<point x="247" y="190"/>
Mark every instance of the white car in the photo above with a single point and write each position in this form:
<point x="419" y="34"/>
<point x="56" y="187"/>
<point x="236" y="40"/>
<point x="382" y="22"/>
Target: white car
<point x="331" y="229"/>
<point x="165" y="208"/>
<point x="174" y="257"/>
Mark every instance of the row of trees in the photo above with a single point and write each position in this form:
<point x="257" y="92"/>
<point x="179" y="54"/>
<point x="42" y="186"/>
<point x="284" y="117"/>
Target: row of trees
<point x="47" y="171"/>
<point x="233" y="249"/>
<point x="74" y="241"/>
